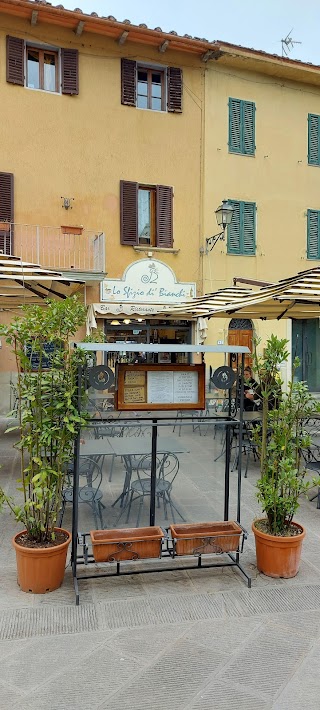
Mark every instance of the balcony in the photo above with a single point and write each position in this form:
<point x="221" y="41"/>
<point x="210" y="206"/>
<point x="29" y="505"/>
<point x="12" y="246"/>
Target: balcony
<point x="60" y="248"/>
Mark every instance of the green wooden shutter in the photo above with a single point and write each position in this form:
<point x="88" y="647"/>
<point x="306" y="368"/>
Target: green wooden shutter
<point x="248" y="126"/>
<point x="248" y="242"/>
<point x="241" y="126"/>
<point x="233" y="237"/>
<point x="242" y="230"/>
<point x="235" y="125"/>
<point x="313" y="234"/>
<point x="313" y="139"/>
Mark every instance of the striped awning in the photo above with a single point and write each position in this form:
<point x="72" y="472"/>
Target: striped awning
<point x="295" y="297"/>
<point x="205" y="305"/>
<point x="22" y="283"/>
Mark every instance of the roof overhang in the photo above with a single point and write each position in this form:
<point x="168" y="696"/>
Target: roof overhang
<point x="78" y="22"/>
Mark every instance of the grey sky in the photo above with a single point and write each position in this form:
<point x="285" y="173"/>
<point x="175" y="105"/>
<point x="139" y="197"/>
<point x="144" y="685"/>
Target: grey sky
<point x="252" y="23"/>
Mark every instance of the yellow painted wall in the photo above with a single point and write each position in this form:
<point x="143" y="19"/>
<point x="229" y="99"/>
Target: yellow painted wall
<point x="278" y="179"/>
<point x="82" y="146"/>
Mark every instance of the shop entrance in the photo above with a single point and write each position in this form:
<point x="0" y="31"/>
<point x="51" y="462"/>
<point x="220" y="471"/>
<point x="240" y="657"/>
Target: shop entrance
<point x="240" y="332"/>
<point x="305" y="346"/>
<point x="142" y="331"/>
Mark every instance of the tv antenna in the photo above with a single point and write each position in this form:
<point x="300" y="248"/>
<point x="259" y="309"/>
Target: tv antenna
<point x="288" y="44"/>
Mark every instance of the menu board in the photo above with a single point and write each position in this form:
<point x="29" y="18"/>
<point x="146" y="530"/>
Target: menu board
<point x="185" y="387"/>
<point x="160" y="386"/>
<point x="170" y="386"/>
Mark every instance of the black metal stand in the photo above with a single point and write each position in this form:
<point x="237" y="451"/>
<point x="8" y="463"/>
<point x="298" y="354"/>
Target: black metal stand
<point x="168" y="551"/>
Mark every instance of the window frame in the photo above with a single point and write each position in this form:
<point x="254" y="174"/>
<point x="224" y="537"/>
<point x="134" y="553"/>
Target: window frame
<point x="241" y="251"/>
<point x="42" y="51"/>
<point x="150" y="69"/>
<point x="313" y="258"/>
<point x="153" y="216"/>
<point x="315" y="163"/>
<point x="242" y="103"/>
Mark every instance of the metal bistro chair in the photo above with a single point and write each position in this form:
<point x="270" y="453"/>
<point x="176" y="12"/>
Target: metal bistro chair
<point x="249" y="446"/>
<point x="90" y="478"/>
<point x="167" y="470"/>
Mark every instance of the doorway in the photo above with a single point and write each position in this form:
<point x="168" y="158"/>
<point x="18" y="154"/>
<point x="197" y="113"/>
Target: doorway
<point x="240" y="332"/>
<point x="305" y="345"/>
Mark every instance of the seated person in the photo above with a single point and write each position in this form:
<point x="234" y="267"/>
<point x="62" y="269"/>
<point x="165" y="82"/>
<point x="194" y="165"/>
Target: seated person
<point x="255" y="397"/>
<point x="249" y="390"/>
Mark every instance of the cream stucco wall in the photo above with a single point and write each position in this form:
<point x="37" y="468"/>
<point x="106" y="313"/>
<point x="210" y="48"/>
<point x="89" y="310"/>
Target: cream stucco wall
<point x="278" y="179"/>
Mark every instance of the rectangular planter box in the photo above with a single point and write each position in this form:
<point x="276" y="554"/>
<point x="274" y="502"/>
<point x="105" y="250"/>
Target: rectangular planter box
<point x="206" y="538"/>
<point x="126" y="544"/>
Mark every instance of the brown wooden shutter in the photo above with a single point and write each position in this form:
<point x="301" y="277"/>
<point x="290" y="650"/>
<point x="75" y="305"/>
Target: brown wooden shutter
<point x="174" y="77"/>
<point x="128" y="213"/>
<point x="6" y="212"/>
<point x="70" y="71"/>
<point x="15" y="60"/>
<point x="164" y="212"/>
<point x="128" y="82"/>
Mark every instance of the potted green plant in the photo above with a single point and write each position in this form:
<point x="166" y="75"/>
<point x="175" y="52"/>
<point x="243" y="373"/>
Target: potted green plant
<point x="280" y="440"/>
<point x="48" y="422"/>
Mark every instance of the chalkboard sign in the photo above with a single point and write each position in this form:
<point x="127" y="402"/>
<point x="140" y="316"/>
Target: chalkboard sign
<point x="34" y="355"/>
<point x="162" y="387"/>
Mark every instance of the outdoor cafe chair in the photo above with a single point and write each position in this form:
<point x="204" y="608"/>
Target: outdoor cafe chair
<point x="140" y="488"/>
<point x="90" y="478"/>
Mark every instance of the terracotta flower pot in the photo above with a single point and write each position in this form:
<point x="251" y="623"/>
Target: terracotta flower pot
<point x="126" y="544"/>
<point x="206" y="538"/>
<point x="278" y="556"/>
<point x="41" y="569"/>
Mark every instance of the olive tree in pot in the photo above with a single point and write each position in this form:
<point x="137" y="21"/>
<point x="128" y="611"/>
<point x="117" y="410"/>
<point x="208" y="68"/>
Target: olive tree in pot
<point x="280" y="439"/>
<point x="48" y="422"/>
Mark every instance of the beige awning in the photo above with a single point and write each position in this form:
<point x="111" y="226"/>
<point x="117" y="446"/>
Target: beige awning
<point x="22" y="283"/>
<point x="204" y="305"/>
<point x="295" y="297"/>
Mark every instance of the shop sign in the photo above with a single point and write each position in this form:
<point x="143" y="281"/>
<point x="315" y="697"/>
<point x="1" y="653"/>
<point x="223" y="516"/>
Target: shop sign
<point x="147" y="281"/>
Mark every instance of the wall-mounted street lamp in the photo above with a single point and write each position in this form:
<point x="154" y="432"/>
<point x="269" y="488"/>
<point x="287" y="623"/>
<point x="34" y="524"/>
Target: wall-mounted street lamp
<point x="224" y="216"/>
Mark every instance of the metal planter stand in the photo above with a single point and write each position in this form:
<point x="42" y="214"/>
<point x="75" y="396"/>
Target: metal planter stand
<point x="81" y="558"/>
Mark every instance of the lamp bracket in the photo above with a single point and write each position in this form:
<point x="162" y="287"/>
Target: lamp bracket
<point x="212" y="241"/>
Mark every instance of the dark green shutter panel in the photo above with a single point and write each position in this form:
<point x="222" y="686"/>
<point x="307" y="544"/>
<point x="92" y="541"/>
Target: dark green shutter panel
<point x="164" y="216"/>
<point x="313" y="139"/>
<point x="70" y="71"/>
<point x="128" y="213"/>
<point x="235" y="125"/>
<point x="248" y="115"/>
<point x="175" y="84"/>
<point x="313" y="234"/>
<point x="233" y="243"/>
<point x="15" y="60"/>
<point x="248" y="227"/>
<point x="128" y="82"/>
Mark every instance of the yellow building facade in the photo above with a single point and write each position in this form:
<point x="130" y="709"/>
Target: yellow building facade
<point x="279" y="175"/>
<point x="115" y="149"/>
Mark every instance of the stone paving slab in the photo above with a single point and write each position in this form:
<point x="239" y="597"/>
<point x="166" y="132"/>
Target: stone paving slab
<point x="184" y="640"/>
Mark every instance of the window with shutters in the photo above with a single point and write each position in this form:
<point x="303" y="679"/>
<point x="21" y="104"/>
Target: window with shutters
<point x="6" y="213"/>
<point x="313" y="139"/>
<point x="41" y="67"/>
<point x="242" y="127"/>
<point x="313" y="233"/>
<point x="146" y="215"/>
<point x="241" y="238"/>
<point x="153" y="88"/>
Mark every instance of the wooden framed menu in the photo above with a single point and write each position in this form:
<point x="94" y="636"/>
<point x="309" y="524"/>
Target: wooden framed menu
<point x="160" y="387"/>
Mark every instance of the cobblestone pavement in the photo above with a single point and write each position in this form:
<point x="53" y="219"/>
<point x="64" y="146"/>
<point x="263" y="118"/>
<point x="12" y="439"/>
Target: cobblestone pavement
<point x="182" y="640"/>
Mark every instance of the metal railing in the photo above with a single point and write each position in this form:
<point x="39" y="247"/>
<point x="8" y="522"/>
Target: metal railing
<point x="55" y="247"/>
